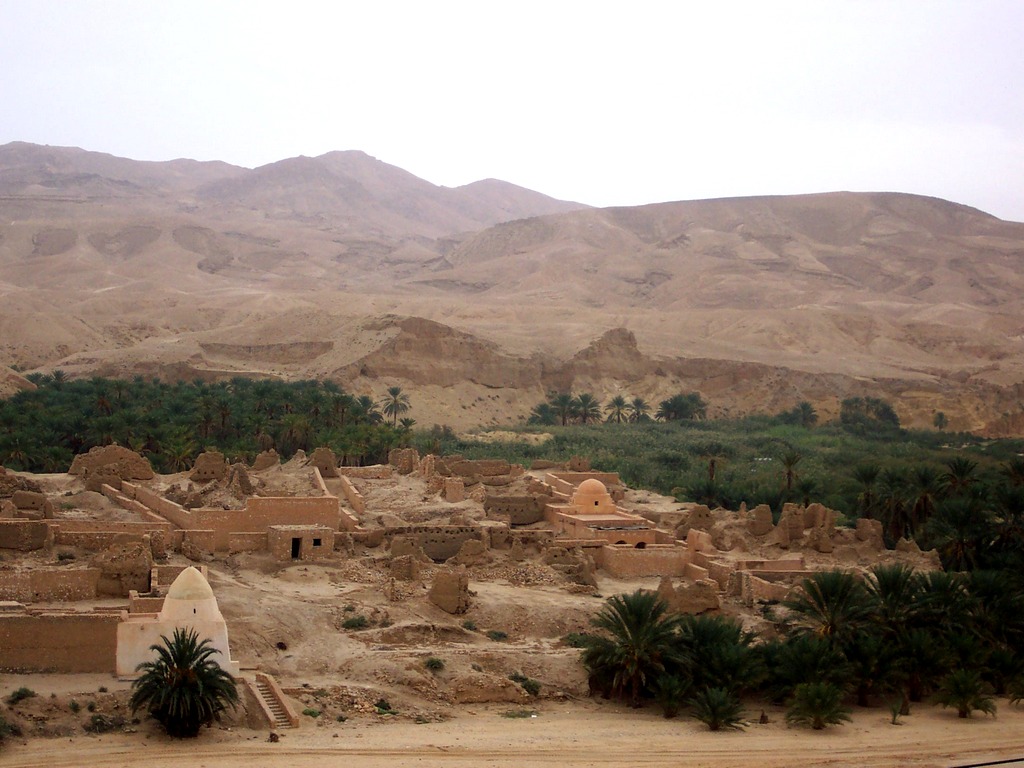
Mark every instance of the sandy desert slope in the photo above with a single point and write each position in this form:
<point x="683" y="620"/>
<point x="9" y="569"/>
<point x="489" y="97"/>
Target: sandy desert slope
<point x="329" y="266"/>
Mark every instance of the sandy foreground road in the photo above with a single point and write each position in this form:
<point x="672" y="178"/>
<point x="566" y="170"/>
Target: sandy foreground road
<point x="561" y="735"/>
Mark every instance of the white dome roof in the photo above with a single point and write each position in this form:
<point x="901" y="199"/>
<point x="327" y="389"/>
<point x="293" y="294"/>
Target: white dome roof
<point x="190" y="585"/>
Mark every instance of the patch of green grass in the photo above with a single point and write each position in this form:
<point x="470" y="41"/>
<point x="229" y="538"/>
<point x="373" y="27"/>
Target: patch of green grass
<point x="515" y="714"/>
<point x="356" y="622"/>
<point x="310" y="712"/>
<point x="529" y="685"/>
<point x="469" y="625"/>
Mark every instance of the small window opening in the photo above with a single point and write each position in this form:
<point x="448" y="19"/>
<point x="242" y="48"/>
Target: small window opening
<point x="316" y="542"/>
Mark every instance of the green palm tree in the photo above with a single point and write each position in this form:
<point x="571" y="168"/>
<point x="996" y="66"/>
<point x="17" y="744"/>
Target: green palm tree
<point x="616" y="409"/>
<point x="831" y="604"/>
<point x="965" y="690"/>
<point x="802" y="658"/>
<point x="960" y="475"/>
<point x="806" y="415"/>
<point x="866" y="476"/>
<point x="895" y="592"/>
<point x="817" y="705"/>
<point x="639" y="410"/>
<point x="564" y="406"/>
<point x="183" y="688"/>
<point x="588" y="408"/>
<point x="927" y="485"/>
<point x="394" y="404"/>
<point x="789" y="474"/>
<point x="718" y="708"/>
<point x="637" y="645"/>
<point x="1014" y="471"/>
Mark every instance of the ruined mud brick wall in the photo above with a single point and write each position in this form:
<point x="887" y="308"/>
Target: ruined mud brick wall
<point x="439" y="542"/>
<point x="127" y="464"/>
<point x="176" y="513"/>
<point x="373" y="472"/>
<point x="655" y="560"/>
<point x="94" y="536"/>
<point x="64" y="643"/>
<point x="754" y="588"/>
<point x="24" y="535"/>
<point x="123" y="500"/>
<point x="721" y="572"/>
<point x="139" y="604"/>
<point x="521" y="510"/>
<point x="352" y="496"/>
<point x="503" y="538"/>
<point x="162" y="576"/>
<point x="259" y="514"/>
<point x="491" y="472"/>
<point x="49" y="585"/>
<point x="247" y="542"/>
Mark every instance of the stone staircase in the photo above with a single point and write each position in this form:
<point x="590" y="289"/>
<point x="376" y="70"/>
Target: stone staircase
<point x="271" y="699"/>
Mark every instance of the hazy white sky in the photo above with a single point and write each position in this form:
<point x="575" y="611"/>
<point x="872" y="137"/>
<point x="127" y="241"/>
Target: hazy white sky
<point x="605" y="103"/>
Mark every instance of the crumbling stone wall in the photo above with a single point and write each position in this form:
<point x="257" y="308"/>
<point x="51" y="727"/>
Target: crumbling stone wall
<point x="209" y="465"/>
<point x="404" y="460"/>
<point x="24" y="535"/>
<point x="32" y="505"/>
<point x="9" y="483"/>
<point x="520" y="510"/>
<point x="323" y="459"/>
<point x="47" y="585"/>
<point x="698" y="597"/>
<point x="439" y="542"/>
<point x="40" y="643"/>
<point x="123" y="568"/>
<point x="127" y="463"/>
<point x="450" y="591"/>
<point x="266" y="460"/>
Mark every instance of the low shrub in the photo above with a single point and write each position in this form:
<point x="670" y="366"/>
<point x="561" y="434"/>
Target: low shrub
<point x="310" y="712"/>
<point x="516" y="714"/>
<point x="20" y="695"/>
<point x="103" y="723"/>
<point x="434" y="664"/>
<point x="356" y="622"/>
<point x="497" y="635"/>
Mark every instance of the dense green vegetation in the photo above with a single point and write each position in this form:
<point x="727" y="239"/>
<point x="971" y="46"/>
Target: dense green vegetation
<point x="957" y="492"/>
<point x="897" y="636"/>
<point x="42" y="430"/>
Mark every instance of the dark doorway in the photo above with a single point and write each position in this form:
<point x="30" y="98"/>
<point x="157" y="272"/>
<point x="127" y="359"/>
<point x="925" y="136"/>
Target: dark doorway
<point x="641" y="545"/>
<point x="296" y="548"/>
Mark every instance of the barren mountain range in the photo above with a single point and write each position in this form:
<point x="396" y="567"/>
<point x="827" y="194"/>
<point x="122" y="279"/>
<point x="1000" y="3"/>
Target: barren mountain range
<point x="480" y="299"/>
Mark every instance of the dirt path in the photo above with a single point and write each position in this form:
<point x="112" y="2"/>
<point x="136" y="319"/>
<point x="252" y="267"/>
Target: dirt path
<point x="581" y="734"/>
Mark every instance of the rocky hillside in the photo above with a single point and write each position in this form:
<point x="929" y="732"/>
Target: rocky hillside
<point x="481" y="299"/>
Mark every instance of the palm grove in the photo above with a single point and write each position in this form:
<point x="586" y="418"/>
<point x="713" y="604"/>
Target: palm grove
<point x="893" y="638"/>
<point x="42" y="430"/>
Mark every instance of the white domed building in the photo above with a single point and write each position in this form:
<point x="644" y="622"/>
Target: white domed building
<point x="189" y="603"/>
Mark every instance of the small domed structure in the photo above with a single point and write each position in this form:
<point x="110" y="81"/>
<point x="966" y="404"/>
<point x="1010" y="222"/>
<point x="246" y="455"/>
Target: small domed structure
<point x="189" y="604"/>
<point x="592" y="487"/>
<point x="190" y="585"/>
<point x="592" y="497"/>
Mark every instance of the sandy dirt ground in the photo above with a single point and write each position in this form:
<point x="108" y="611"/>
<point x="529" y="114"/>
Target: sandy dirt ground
<point x="567" y="734"/>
